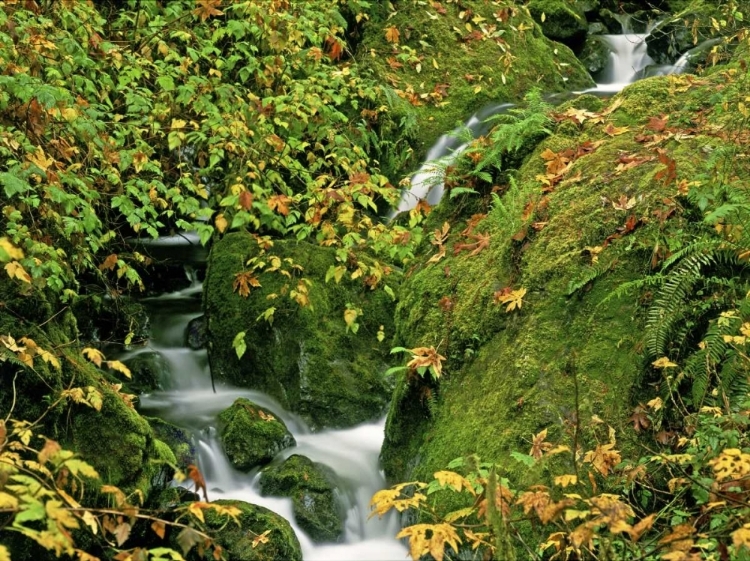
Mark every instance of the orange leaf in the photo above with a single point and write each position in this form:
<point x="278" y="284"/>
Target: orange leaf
<point x="207" y="8"/>
<point x="392" y="34"/>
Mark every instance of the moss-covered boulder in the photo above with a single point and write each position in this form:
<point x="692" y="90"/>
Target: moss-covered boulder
<point x="238" y="540"/>
<point x="312" y="488"/>
<point x="251" y="435"/>
<point x="560" y="21"/>
<point x="572" y="351"/>
<point x="179" y="440"/>
<point x="595" y="54"/>
<point x="304" y="354"/>
<point x="447" y="62"/>
<point x="149" y="371"/>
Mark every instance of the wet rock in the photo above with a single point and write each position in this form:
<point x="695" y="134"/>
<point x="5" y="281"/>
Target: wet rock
<point x="149" y="370"/>
<point x="238" y="541"/>
<point x="312" y="488"/>
<point x="563" y="21"/>
<point x="595" y="54"/>
<point x="179" y="440"/>
<point x="598" y="28"/>
<point x="668" y="40"/>
<point x="195" y="335"/>
<point x="251" y="435"/>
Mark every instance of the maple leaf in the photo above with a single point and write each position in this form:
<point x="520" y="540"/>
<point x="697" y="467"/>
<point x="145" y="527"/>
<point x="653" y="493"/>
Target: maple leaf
<point x="94" y="355"/>
<point x="426" y="357"/>
<point x="16" y="270"/>
<point x="197" y="477"/>
<point x="335" y="49"/>
<point x="513" y="299"/>
<point x="604" y="457"/>
<point x="207" y="8"/>
<point x="639" y="418"/>
<point x="246" y="200"/>
<point x="109" y="263"/>
<point x="536" y="500"/>
<point x="392" y="34"/>
<point x="657" y="124"/>
<point x="539" y="446"/>
<point x="243" y="282"/>
<point x="279" y="203"/>
<point x="623" y="203"/>
<point x="612" y="130"/>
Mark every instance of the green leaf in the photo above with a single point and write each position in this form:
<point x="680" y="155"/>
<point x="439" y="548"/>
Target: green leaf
<point x="13" y="184"/>
<point x="525" y="459"/>
<point x="239" y="344"/>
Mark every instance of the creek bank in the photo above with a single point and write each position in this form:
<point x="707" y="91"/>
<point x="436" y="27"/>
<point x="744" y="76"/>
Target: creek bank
<point x="572" y="352"/>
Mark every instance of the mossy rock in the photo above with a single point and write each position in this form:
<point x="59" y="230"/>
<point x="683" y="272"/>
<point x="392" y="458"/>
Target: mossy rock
<point x="446" y="73"/>
<point x="179" y="440"/>
<point x="561" y="21"/>
<point x="238" y="540"/>
<point x="306" y="358"/>
<point x="149" y="371"/>
<point x="313" y="489"/>
<point x="572" y="351"/>
<point x="251" y="435"/>
<point x="595" y="54"/>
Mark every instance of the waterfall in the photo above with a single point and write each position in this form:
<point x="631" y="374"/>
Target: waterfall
<point x="189" y="402"/>
<point x="628" y="62"/>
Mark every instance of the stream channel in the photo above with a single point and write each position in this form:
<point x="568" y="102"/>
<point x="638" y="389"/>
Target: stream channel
<point x="189" y="401"/>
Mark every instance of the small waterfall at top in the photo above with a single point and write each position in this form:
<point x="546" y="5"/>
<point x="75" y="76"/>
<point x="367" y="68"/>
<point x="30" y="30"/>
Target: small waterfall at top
<point x="188" y="401"/>
<point x="628" y="61"/>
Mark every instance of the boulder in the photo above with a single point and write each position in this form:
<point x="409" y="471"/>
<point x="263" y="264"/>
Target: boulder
<point x="238" y="540"/>
<point x="595" y="54"/>
<point x="195" y="334"/>
<point x="305" y="356"/>
<point x="179" y="440"/>
<point x="560" y="21"/>
<point x="251" y="435"/>
<point x="573" y="351"/>
<point x="149" y="370"/>
<point x="312" y="488"/>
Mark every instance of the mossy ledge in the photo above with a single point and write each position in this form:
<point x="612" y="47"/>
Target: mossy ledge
<point x="571" y="352"/>
<point x="306" y="358"/>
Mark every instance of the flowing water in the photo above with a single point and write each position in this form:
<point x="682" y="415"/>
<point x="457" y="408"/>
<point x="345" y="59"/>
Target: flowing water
<point x="628" y="61"/>
<point x="189" y="401"/>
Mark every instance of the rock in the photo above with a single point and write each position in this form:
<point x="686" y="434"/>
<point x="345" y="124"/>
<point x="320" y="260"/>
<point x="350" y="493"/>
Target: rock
<point x="149" y="370"/>
<point x="468" y="73"/>
<point x="251" y="435"/>
<point x="668" y="40"/>
<point x="595" y="54"/>
<point x="564" y="22"/>
<point x="613" y="22"/>
<point x="195" y="334"/>
<point x="518" y="377"/>
<point x="597" y="28"/>
<point x="238" y="540"/>
<point x="179" y="440"/>
<point x="306" y="358"/>
<point x="312" y="488"/>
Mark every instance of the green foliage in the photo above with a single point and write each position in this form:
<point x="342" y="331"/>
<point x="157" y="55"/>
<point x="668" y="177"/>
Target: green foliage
<point x="171" y="116"/>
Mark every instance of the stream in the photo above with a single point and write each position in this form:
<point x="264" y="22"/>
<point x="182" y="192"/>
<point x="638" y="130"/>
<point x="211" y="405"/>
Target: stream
<point x="189" y="401"/>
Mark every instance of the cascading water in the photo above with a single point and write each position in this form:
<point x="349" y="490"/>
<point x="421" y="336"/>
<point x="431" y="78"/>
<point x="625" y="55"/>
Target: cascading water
<point x="628" y="61"/>
<point x="188" y="400"/>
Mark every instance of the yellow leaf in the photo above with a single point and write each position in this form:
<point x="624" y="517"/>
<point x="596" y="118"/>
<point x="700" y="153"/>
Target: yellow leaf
<point x="119" y="367"/>
<point x="39" y="159"/>
<point x="350" y="316"/>
<point x="4" y="553"/>
<point x="178" y="124"/>
<point x="565" y="480"/>
<point x="9" y="251"/>
<point x="221" y="223"/>
<point x="664" y="362"/>
<point x="454" y="480"/>
<point x="741" y="537"/>
<point x="49" y="358"/>
<point x="514" y="300"/>
<point x="260" y="538"/>
<point x="94" y="355"/>
<point x="16" y="270"/>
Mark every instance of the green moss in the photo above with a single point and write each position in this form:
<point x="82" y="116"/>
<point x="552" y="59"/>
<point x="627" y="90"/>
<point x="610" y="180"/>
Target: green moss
<point x="312" y="488"/>
<point x="306" y="358"/>
<point x="179" y="440"/>
<point x="251" y="435"/>
<point x="560" y="20"/>
<point x="237" y="540"/>
<point x="471" y="73"/>
<point x="569" y="353"/>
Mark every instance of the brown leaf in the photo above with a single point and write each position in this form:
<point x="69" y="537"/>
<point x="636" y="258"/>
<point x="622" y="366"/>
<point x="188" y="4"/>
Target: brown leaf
<point x="246" y="200"/>
<point x="109" y="263"/>
<point x="392" y="34"/>
<point x="335" y="47"/>
<point x="159" y="528"/>
<point x="657" y="124"/>
<point x="207" y="8"/>
<point x="539" y="446"/>
<point x="197" y="477"/>
<point x="640" y="419"/>
<point x="122" y="533"/>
